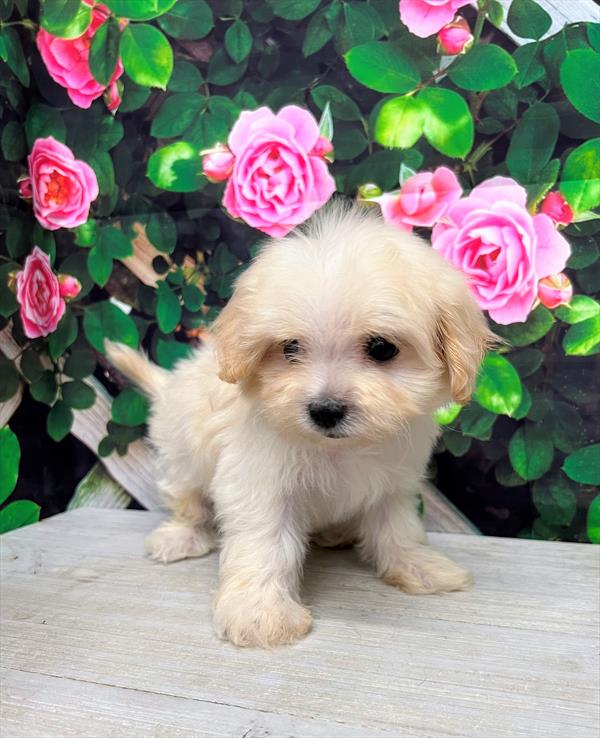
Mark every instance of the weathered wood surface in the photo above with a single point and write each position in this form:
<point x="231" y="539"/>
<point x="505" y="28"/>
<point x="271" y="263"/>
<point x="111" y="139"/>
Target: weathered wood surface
<point x="99" y="641"/>
<point x="562" y="12"/>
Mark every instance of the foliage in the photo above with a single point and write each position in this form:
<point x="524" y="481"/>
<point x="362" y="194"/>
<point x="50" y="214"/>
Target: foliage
<point x="191" y="67"/>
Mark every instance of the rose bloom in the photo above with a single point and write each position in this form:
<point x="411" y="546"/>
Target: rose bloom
<point x="279" y="176"/>
<point x="62" y="187"/>
<point x="69" y="287"/>
<point x="555" y="290"/>
<point x="455" y="38"/>
<point x="426" y="17"/>
<point x="556" y="207"/>
<point x="38" y="294"/>
<point x="503" y="249"/>
<point x="423" y="199"/>
<point x="66" y="60"/>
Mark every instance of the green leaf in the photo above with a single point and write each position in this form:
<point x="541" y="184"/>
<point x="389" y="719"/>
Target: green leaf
<point x="530" y="67"/>
<point x="64" y="335"/>
<point x="446" y="414"/>
<point x="16" y="60"/>
<point x="188" y="20"/>
<point x="146" y="55"/>
<point x="168" y="308"/>
<point x="177" y="113"/>
<point x="104" y="320"/>
<point x="13" y="143"/>
<point x="44" y="389"/>
<point x="78" y="394"/>
<point x="139" y="9"/>
<point x="448" y="123"/>
<point x="527" y="361"/>
<point x="18" y="514"/>
<point x="579" y="309"/>
<point x="193" y="298"/>
<point x="555" y="498"/>
<point x="506" y="475"/>
<point x="66" y="18"/>
<point x="477" y="422"/>
<point x="104" y="51"/>
<point x="80" y="363"/>
<point x="593" y="520"/>
<point x="530" y="451"/>
<point x="583" y="339"/>
<point x="134" y="96"/>
<point x="43" y="121"/>
<point x="10" y="458"/>
<point x="382" y="67"/>
<point x="168" y="353"/>
<point x="527" y="19"/>
<point x="162" y="232"/>
<point x="593" y="32"/>
<point x="185" y="78"/>
<point x="176" y="167"/>
<point x="222" y="71"/>
<point x="102" y="165"/>
<point x="583" y="466"/>
<point x="59" y="421"/>
<point x="238" y="41"/>
<point x="130" y="408"/>
<point x="31" y="366"/>
<point x="485" y="67"/>
<point x="498" y="386"/>
<point x="580" y="181"/>
<point x="568" y="428"/>
<point x="99" y="264"/>
<point x="358" y="26"/>
<point x="326" y="123"/>
<point x="342" y="106"/>
<point x="114" y="242"/>
<point x="495" y="13"/>
<point x="535" y="327"/>
<point x="457" y="444"/>
<point x="400" y="121"/>
<point x="318" y="33"/>
<point x="580" y="79"/>
<point x="293" y="9"/>
<point x="532" y="143"/>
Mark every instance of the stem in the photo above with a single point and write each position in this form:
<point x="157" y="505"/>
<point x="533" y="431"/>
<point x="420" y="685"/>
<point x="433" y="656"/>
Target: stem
<point x="482" y="7"/>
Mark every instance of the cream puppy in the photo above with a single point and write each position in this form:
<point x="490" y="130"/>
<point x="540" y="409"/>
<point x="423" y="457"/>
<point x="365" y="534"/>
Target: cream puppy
<point x="309" y="412"/>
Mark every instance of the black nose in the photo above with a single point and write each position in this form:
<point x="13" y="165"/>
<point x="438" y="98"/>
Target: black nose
<point x="326" y="413"/>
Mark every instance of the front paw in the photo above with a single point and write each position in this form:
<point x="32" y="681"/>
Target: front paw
<point x="248" y="618"/>
<point x="423" y="570"/>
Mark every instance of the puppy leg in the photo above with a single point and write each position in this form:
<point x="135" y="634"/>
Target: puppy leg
<point x="393" y="537"/>
<point x="188" y="533"/>
<point x="257" y="603"/>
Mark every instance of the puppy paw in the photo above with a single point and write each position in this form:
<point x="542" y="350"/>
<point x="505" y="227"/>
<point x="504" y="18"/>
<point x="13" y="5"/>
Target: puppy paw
<point x="174" y="540"/>
<point x="263" y="621"/>
<point x="423" y="570"/>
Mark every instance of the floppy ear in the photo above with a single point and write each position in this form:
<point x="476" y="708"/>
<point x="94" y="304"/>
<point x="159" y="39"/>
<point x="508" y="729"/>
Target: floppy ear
<point x="463" y="340"/>
<point x="239" y="342"/>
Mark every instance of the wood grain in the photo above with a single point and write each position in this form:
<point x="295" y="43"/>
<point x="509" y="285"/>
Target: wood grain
<point x="97" y="640"/>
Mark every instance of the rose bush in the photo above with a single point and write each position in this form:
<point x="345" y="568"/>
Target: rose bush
<point x="200" y="89"/>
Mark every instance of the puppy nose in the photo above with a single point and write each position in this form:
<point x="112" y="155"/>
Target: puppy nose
<point x="326" y="413"/>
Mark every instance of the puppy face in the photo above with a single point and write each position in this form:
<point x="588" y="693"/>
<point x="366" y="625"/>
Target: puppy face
<point x="343" y="331"/>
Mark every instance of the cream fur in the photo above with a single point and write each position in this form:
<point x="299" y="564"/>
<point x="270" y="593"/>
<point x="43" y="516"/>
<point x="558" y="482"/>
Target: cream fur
<point x="236" y="450"/>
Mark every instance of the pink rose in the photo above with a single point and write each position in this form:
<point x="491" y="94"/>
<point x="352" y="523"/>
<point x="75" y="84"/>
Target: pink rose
<point x="217" y="164"/>
<point x="38" y="294"/>
<point x="555" y="290"/>
<point x="279" y="176"/>
<point x="66" y="60"/>
<point x="69" y="287"/>
<point x="426" y="17"/>
<point x="556" y="207"/>
<point x="501" y="247"/>
<point x="455" y="38"/>
<point x="112" y="96"/>
<point x="423" y="199"/>
<point x="62" y="186"/>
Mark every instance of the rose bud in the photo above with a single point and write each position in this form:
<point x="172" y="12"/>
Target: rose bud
<point x="69" y="287"/>
<point x="368" y="191"/>
<point x="322" y="147"/>
<point x="555" y="290"/>
<point x="217" y="164"/>
<point x="112" y="96"/>
<point x="25" y="189"/>
<point x="455" y="38"/>
<point x="557" y="208"/>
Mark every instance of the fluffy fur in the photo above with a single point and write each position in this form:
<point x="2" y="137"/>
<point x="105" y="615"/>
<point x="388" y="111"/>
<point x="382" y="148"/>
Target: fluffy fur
<point x="236" y="449"/>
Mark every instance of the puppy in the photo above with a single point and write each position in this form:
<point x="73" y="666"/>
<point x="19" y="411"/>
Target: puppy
<point x="309" y="411"/>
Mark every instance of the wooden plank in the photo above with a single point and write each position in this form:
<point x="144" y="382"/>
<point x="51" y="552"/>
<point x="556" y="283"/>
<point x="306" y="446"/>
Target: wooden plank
<point x="441" y="516"/>
<point x="562" y="13"/>
<point x="93" y="634"/>
<point x="9" y="407"/>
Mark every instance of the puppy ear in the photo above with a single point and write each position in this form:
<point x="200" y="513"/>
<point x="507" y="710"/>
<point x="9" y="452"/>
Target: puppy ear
<point x="239" y="343"/>
<point x="463" y="340"/>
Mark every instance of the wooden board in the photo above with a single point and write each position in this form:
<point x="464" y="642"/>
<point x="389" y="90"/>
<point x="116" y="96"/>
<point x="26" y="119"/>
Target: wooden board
<point x="99" y="641"/>
<point x="562" y="12"/>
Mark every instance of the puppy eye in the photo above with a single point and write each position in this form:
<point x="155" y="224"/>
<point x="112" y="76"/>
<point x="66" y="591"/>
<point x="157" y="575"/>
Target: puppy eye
<point x="290" y="349"/>
<point x="378" y="349"/>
